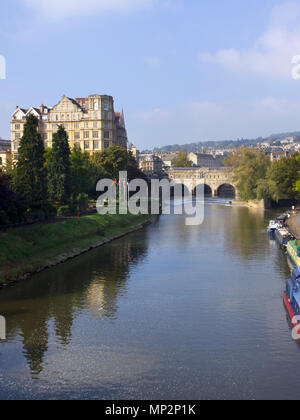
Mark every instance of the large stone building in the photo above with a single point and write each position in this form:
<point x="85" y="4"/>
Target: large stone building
<point x="91" y="123"/>
<point x="150" y="164"/>
<point x="5" y="152"/>
<point x="206" y="160"/>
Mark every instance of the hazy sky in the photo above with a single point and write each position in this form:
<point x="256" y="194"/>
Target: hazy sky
<point x="184" y="70"/>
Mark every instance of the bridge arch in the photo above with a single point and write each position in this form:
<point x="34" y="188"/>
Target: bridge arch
<point x="226" y="190"/>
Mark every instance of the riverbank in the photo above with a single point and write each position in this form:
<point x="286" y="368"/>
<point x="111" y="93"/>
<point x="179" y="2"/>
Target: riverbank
<point x="32" y="249"/>
<point x="293" y="225"/>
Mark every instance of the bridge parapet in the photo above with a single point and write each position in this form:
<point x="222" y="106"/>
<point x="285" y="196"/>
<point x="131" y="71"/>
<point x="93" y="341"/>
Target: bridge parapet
<point x="212" y="178"/>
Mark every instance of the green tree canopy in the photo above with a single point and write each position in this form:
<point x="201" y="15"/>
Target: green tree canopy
<point x="111" y="161"/>
<point x="30" y="179"/>
<point x="251" y="167"/>
<point x="81" y="172"/>
<point x="182" y="160"/>
<point x="58" y="167"/>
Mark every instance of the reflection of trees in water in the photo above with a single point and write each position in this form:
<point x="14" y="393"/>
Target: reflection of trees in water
<point x="244" y="232"/>
<point x="93" y="281"/>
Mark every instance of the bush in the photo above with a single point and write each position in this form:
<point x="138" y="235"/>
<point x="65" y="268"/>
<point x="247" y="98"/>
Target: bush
<point x="65" y="211"/>
<point x="36" y="215"/>
<point x="4" y="220"/>
<point x="82" y="202"/>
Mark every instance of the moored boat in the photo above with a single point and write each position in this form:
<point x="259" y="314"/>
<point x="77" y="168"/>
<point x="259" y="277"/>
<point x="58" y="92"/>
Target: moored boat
<point x="293" y="250"/>
<point x="283" y="236"/>
<point x="291" y="298"/>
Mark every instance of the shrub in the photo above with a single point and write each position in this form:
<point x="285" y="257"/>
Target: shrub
<point x="4" y="220"/>
<point x="82" y="202"/>
<point x="65" y="211"/>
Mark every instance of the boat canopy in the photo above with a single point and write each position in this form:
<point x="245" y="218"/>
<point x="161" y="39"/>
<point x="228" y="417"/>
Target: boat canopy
<point x="296" y="273"/>
<point x="281" y="218"/>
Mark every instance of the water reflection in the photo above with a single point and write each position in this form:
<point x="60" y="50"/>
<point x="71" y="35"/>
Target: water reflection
<point x="93" y="281"/>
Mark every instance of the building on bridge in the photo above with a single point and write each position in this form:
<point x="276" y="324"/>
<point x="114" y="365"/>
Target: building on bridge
<point x="205" y="160"/>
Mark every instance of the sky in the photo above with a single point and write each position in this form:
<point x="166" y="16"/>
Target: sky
<point x="183" y="70"/>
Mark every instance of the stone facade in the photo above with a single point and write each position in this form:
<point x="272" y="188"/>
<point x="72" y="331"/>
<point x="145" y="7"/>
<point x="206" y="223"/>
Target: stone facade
<point x="150" y="165"/>
<point x="91" y="123"/>
<point x="214" y="179"/>
<point x="5" y="152"/>
<point x="205" y="160"/>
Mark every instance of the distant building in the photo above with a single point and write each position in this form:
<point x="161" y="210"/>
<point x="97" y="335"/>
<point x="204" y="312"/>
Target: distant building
<point x="91" y="123"/>
<point x="278" y="154"/>
<point x="135" y="152"/>
<point x="151" y="165"/>
<point x="167" y="159"/>
<point x="5" y="152"/>
<point x="206" y="160"/>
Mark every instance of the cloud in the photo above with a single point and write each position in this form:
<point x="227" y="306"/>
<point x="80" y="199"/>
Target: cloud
<point x="58" y="9"/>
<point x="153" y="115"/>
<point x="206" y="121"/>
<point x="153" y="61"/>
<point x="271" y="53"/>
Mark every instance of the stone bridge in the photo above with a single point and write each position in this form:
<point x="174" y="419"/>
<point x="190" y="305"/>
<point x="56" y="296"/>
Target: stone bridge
<point x="218" y="182"/>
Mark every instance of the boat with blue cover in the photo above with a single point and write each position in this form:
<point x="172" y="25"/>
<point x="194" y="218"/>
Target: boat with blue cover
<point x="291" y="298"/>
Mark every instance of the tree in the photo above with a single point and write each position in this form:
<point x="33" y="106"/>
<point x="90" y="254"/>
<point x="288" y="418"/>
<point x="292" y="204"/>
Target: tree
<point x="81" y="173"/>
<point x="11" y="206"/>
<point x="58" y="167"/>
<point x="251" y="169"/>
<point x="30" y="179"/>
<point x="182" y="160"/>
<point x="111" y="161"/>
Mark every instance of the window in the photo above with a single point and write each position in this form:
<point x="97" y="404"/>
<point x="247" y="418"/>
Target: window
<point x="95" y="145"/>
<point x="63" y="107"/>
<point x="106" y="144"/>
<point x="56" y="117"/>
<point x="63" y="117"/>
<point x="86" y="145"/>
<point x="95" y="135"/>
<point x="18" y="135"/>
<point x="68" y="117"/>
<point x="105" y="124"/>
<point x="77" y="126"/>
<point x="79" y="117"/>
<point x="95" y="115"/>
<point x="77" y="136"/>
<point x="54" y="126"/>
<point x="16" y="145"/>
<point x="86" y="125"/>
<point x="45" y="136"/>
<point x="66" y="126"/>
<point x="86" y="135"/>
<point x="106" y="135"/>
<point x="105" y="106"/>
<point x="45" y="117"/>
<point x="105" y="115"/>
<point x="77" y="145"/>
<point x="96" y="106"/>
<point x="95" y="125"/>
<point x="17" y="127"/>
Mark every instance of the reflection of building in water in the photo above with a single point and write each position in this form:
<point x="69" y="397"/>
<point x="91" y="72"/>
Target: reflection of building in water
<point x="93" y="281"/>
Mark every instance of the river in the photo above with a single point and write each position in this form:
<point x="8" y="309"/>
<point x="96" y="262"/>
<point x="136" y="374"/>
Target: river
<point x="170" y="312"/>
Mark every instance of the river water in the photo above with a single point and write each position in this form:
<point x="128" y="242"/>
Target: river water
<point x="170" y="312"/>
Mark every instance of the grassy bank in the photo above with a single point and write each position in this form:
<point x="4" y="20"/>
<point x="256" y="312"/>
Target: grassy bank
<point x="27" y="249"/>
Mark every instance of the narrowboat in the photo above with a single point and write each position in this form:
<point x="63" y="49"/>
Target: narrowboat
<point x="291" y="298"/>
<point x="283" y="236"/>
<point x="293" y="250"/>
